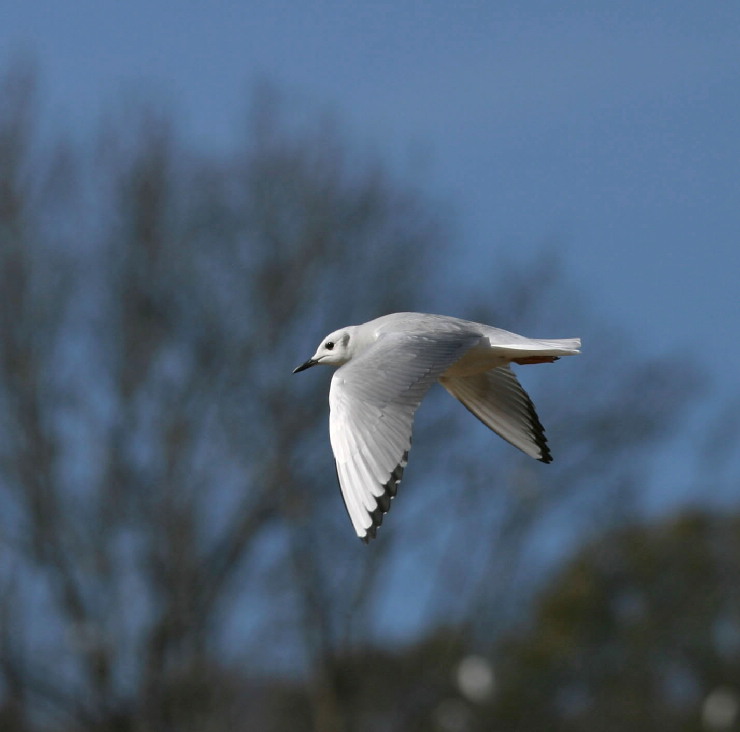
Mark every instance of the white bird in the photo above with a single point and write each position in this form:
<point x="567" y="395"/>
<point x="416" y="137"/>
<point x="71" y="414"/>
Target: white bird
<point x="387" y="365"/>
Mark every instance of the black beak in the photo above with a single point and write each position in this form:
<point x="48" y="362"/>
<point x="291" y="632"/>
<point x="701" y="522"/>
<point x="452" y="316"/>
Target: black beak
<point x="304" y="366"/>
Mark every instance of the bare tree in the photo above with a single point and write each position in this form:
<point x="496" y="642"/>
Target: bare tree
<point x="175" y="554"/>
<point x="153" y="439"/>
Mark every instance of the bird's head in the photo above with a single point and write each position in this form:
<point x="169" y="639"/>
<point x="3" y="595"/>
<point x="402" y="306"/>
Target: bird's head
<point x="334" y="350"/>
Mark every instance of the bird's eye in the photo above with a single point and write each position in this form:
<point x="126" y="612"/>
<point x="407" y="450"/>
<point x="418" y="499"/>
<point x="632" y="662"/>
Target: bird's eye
<point x="329" y="345"/>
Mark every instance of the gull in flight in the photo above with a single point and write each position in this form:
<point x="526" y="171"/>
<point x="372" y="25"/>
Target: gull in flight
<point x="387" y="365"/>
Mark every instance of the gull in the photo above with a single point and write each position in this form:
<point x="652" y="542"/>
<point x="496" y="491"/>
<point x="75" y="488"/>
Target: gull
<point x="387" y="365"/>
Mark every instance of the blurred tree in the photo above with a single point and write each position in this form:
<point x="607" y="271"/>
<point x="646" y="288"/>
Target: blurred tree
<point x="640" y="631"/>
<point x="175" y="554"/>
<point x="151" y="430"/>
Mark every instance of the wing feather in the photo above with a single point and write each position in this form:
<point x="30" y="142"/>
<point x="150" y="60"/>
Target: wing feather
<point x="498" y="400"/>
<point x="373" y="400"/>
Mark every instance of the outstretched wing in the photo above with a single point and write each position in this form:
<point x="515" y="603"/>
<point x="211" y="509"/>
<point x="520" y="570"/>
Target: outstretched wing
<point x="373" y="399"/>
<point x="498" y="400"/>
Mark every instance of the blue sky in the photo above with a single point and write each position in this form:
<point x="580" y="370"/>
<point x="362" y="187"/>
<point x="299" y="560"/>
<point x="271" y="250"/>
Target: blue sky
<point x="613" y="128"/>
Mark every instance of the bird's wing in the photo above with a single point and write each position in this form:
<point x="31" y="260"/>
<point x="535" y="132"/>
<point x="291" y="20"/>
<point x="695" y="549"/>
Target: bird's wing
<point x="373" y="399"/>
<point x="498" y="400"/>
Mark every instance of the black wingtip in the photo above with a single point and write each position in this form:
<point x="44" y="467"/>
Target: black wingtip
<point x="371" y="534"/>
<point x="538" y="432"/>
<point x="383" y="504"/>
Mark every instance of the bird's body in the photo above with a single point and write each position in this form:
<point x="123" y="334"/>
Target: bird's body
<point x="387" y="365"/>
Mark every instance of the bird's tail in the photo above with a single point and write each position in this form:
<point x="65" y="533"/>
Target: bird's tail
<point x="540" y="351"/>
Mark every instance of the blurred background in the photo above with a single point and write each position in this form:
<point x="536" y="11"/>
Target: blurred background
<point x="192" y="195"/>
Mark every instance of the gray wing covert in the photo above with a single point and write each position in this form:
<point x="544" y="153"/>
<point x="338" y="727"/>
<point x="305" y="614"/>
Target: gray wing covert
<point x="373" y="400"/>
